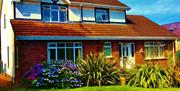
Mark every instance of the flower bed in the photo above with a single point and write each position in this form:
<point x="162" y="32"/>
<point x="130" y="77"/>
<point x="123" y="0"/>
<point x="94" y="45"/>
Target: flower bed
<point x="53" y="74"/>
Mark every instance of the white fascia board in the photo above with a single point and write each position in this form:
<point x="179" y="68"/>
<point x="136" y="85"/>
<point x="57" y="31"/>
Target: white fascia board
<point x="66" y="1"/>
<point x="100" y="5"/>
<point x="92" y="38"/>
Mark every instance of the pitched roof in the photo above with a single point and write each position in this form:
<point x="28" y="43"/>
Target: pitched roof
<point x="104" y="2"/>
<point x="173" y="27"/>
<point x="136" y="26"/>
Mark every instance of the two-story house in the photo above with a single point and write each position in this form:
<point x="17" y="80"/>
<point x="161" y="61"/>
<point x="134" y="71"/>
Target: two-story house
<point x="34" y="31"/>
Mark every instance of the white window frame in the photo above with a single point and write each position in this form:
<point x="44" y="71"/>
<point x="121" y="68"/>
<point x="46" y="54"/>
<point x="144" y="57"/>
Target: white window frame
<point x="65" y="47"/>
<point x="50" y="11"/>
<point x="110" y="46"/>
<point x="154" y="44"/>
<point x="102" y="9"/>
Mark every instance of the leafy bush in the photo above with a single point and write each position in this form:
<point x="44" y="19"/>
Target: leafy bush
<point x="178" y="54"/>
<point x="149" y="76"/>
<point x="126" y="73"/>
<point x="174" y="76"/>
<point x="31" y="74"/>
<point x="96" y="70"/>
<point x="54" y="74"/>
<point x="178" y="57"/>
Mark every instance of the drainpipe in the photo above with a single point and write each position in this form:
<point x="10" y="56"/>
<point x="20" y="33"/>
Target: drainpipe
<point x="81" y="16"/>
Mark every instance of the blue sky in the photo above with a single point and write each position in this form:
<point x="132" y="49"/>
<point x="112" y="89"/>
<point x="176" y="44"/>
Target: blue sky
<point x="159" y="11"/>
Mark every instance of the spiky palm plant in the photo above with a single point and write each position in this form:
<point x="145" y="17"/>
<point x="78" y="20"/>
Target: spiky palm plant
<point x="96" y="70"/>
<point x="149" y="76"/>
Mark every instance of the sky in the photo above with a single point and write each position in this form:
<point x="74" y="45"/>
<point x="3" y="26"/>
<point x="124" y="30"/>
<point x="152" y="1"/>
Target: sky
<point x="159" y="11"/>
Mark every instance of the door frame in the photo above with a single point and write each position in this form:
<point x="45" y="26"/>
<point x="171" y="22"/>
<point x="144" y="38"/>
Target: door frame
<point x="121" y="52"/>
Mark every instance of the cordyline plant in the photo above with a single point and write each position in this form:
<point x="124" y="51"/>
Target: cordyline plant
<point x="149" y="76"/>
<point x="96" y="70"/>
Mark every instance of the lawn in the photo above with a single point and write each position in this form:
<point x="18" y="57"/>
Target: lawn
<point x="104" y="88"/>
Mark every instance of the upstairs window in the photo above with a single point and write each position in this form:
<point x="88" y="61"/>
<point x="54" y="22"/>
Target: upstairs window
<point x="54" y="13"/>
<point x="102" y="15"/>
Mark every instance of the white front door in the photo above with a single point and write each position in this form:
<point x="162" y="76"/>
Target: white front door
<point x="126" y="53"/>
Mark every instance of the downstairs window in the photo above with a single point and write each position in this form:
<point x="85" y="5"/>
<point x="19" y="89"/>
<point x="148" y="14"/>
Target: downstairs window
<point x="154" y="50"/>
<point x="107" y="49"/>
<point x="64" y="51"/>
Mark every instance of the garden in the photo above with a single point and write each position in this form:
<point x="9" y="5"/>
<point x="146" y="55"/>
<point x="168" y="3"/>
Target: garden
<point x="98" y="73"/>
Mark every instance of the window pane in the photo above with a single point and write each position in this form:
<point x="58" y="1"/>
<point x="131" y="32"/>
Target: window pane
<point x="54" y="15"/>
<point x="155" y="51"/>
<point x="78" y="45"/>
<point x="62" y="15"/>
<point x="78" y="52"/>
<point x="107" y="44"/>
<point x="61" y="45"/>
<point x="52" y="54"/>
<point x="54" y="7"/>
<point x="107" y="51"/>
<point x="46" y="13"/>
<point x="101" y="15"/>
<point x="52" y="45"/>
<point x="70" y="54"/>
<point x="69" y="44"/>
<point x="161" y="51"/>
<point x="61" y="54"/>
<point x="146" y="52"/>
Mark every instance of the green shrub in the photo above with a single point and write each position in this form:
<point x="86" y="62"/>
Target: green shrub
<point x="149" y="76"/>
<point x="178" y="54"/>
<point x="174" y="76"/>
<point x="126" y="73"/>
<point x="96" y="70"/>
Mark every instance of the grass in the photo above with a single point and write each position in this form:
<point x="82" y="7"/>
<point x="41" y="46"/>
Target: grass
<point x="104" y="88"/>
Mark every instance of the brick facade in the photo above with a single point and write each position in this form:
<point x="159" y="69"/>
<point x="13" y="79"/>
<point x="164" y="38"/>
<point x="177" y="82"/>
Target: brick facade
<point x="33" y="52"/>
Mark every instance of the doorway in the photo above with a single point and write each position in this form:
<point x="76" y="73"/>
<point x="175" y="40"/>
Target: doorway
<point x="127" y="54"/>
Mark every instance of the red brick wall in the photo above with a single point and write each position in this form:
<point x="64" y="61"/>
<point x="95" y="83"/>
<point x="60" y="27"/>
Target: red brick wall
<point x="30" y="52"/>
<point x="33" y="52"/>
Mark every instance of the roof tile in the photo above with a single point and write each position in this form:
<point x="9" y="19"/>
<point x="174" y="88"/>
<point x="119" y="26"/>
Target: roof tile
<point x="136" y="26"/>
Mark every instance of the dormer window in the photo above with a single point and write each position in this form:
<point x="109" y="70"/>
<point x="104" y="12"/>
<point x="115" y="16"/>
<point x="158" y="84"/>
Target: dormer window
<point x="102" y="15"/>
<point x="54" y="13"/>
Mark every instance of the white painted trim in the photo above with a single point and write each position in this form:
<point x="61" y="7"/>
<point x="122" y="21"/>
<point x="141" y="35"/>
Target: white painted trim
<point x="122" y="53"/>
<point x="65" y="48"/>
<point x="92" y="38"/>
<point x="100" y="5"/>
<point x="67" y="1"/>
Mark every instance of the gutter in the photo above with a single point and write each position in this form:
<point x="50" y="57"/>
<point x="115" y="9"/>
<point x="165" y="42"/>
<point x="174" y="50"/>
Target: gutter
<point x="101" y="5"/>
<point x="92" y="38"/>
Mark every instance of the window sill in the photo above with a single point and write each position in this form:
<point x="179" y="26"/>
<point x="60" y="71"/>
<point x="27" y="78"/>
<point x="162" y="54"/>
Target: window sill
<point x="161" y="58"/>
<point x="109" y="57"/>
<point x="56" y="21"/>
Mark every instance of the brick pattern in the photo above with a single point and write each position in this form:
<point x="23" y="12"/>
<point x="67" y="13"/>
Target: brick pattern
<point x="30" y="52"/>
<point x="33" y="52"/>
